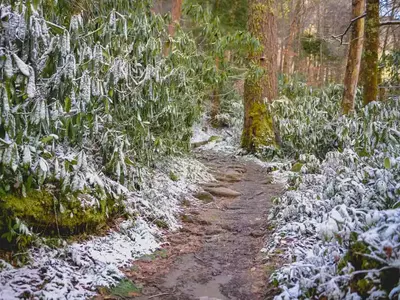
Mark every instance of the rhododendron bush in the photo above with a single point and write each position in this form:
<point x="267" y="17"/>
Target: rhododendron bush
<point x="85" y="96"/>
<point x="339" y="222"/>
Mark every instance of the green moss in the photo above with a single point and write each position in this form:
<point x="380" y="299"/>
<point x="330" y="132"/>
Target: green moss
<point x="161" y="224"/>
<point x="204" y="196"/>
<point x="214" y="138"/>
<point x="259" y="131"/>
<point x="364" y="286"/>
<point x="173" y="176"/>
<point x="124" y="289"/>
<point x="46" y="214"/>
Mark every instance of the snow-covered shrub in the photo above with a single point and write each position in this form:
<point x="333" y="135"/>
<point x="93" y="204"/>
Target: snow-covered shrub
<point x="88" y="97"/>
<point x="339" y="222"/>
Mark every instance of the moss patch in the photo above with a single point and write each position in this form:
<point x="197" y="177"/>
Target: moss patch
<point x="173" y="176"/>
<point x="124" y="289"/>
<point x="206" y="197"/>
<point x="49" y="216"/>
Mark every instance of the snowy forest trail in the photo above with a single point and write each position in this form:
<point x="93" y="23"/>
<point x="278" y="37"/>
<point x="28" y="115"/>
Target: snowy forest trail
<point x="216" y="254"/>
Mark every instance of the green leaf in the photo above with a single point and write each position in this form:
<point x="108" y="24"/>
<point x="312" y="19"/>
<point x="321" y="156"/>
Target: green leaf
<point x="47" y="139"/>
<point x="67" y="107"/>
<point x="387" y="163"/>
<point x="56" y="29"/>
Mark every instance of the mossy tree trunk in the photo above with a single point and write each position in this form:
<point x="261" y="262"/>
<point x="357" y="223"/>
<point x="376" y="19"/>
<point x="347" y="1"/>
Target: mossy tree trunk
<point x="354" y="58"/>
<point x="258" y="128"/>
<point x="371" y="49"/>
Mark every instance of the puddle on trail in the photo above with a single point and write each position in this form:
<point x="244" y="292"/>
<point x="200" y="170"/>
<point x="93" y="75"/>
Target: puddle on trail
<point x="207" y="280"/>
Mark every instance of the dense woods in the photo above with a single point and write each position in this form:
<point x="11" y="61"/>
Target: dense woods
<point x="98" y="96"/>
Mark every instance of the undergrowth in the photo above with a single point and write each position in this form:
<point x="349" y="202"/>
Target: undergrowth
<point x="92" y="94"/>
<point x="339" y="221"/>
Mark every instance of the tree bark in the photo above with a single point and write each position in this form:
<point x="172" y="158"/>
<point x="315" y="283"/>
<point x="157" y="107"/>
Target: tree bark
<point x="258" y="127"/>
<point x="176" y="14"/>
<point x="354" y="58"/>
<point x="371" y="49"/>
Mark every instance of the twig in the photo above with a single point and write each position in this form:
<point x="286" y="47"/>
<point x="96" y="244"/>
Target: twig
<point x="390" y="23"/>
<point x="158" y="295"/>
<point x="341" y="36"/>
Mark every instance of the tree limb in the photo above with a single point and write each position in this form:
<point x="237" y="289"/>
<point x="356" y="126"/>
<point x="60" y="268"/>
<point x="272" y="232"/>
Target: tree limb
<point x="390" y="23"/>
<point x="340" y="37"/>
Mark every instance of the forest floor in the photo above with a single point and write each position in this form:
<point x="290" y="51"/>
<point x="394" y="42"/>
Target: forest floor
<point x="216" y="254"/>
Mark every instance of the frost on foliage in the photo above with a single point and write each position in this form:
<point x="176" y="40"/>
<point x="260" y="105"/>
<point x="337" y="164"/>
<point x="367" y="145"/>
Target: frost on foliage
<point x="77" y="270"/>
<point x="8" y="67"/>
<point x="89" y="93"/>
<point x="159" y="198"/>
<point x="23" y="68"/>
<point x="31" y="88"/>
<point x="347" y="198"/>
<point x="89" y="109"/>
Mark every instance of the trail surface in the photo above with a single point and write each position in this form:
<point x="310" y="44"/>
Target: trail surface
<point x="216" y="255"/>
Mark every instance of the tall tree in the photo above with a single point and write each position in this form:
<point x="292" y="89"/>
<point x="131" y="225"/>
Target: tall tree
<point x="354" y="58"/>
<point x="258" y="127"/>
<point x="371" y="49"/>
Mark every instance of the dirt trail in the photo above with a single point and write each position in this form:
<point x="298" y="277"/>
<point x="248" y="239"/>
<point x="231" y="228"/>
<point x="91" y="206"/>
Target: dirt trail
<point x="216" y="255"/>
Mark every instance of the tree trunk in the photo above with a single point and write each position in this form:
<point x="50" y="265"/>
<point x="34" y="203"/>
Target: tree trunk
<point x="371" y="49"/>
<point x="354" y="58"/>
<point x="215" y="98"/>
<point x="258" y="128"/>
<point x="175" y="17"/>
<point x="382" y="90"/>
<point x="293" y="32"/>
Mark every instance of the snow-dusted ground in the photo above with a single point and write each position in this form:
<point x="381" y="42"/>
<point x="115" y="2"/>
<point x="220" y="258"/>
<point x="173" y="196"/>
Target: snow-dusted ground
<point x="76" y="270"/>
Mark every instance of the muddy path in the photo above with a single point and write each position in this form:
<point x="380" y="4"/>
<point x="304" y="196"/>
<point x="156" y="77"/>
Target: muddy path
<point x="216" y="255"/>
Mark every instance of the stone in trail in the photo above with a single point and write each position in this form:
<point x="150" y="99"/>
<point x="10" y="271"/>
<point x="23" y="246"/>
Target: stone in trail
<point x="222" y="192"/>
<point x="204" y="196"/>
<point x="229" y="176"/>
